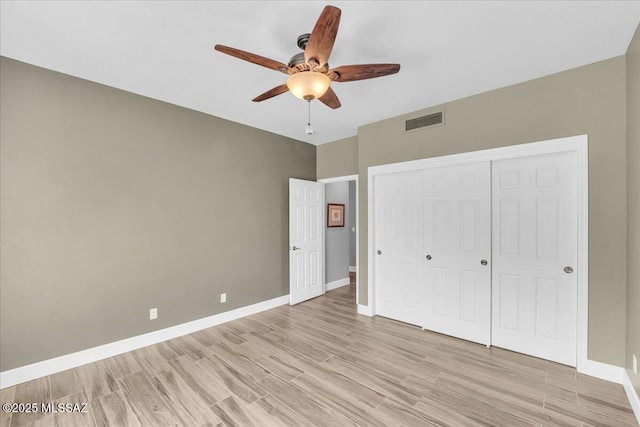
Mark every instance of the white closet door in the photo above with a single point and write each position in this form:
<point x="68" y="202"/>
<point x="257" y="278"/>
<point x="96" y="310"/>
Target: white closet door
<point x="457" y="253"/>
<point x="398" y="245"/>
<point x="534" y="256"/>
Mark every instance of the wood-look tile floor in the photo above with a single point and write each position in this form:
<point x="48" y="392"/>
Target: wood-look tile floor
<point x="321" y="364"/>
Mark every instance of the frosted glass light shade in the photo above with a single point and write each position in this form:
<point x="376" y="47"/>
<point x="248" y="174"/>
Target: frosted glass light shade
<point x="308" y="84"/>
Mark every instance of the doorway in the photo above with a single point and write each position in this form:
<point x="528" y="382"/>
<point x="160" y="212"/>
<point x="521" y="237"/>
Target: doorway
<point x="341" y="242"/>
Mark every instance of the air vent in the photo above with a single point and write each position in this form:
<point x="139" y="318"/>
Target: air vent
<point x="424" y="121"/>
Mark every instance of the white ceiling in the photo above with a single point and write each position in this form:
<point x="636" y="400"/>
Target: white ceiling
<point x="448" y="50"/>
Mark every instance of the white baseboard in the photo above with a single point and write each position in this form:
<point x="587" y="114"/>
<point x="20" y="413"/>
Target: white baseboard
<point x="337" y="284"/>
<point x="634" y="400"/>
<point x="601" y="370"/>
<point x="72" y="360"/>
<point x="353" y="269"/>
<point x="365" y="310"/>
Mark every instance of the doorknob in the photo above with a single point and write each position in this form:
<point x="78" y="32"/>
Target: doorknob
<point x="428" y="257"/>
<point x="379" y="252"/>
<point x="295" y="248"/>
<point x="483" y="262"/>
<point x="568" y="270"/>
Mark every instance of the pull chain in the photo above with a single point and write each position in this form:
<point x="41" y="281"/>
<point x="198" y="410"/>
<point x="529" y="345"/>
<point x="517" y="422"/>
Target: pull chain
<point x="309" y="131"/>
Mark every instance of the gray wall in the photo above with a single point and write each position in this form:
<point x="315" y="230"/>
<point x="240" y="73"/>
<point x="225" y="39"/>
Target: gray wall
<point x="633" y="206"/>
<point x="338" y="158"/>
<point x="352" y="224"/>
<point x="337" y="238"/>
<point x="112" y="203"/>
<point x="587" y="100"/>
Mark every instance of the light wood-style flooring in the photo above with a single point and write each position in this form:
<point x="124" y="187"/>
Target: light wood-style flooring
<point x="321" y="364"/>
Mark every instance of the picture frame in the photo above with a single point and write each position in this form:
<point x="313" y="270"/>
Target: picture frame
<point x="335" y="215"/>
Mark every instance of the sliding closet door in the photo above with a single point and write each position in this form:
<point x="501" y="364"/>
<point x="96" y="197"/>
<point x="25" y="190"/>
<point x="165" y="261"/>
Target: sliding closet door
<point x="535" y="255"/>
<point x="398" y="245"/>
<point x="457" y="253"/>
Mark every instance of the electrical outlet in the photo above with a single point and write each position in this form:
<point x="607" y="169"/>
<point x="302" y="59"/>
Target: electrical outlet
<point x="635" y="365"/>
<point x="153" y="314"/>
<point x="223" y="298"/>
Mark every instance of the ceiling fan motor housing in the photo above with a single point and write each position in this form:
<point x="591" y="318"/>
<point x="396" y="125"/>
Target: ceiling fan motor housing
<point x="296" y="59"/>
<point x="303" y="39"/>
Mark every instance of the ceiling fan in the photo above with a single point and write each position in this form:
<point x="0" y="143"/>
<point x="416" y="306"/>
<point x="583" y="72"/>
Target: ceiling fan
<point x="309" y="74"/>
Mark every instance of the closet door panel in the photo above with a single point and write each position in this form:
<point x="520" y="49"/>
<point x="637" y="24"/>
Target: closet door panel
<point x="535" y="255"/>
<point x="398" y="239"/>
<point x="457" y="224"/>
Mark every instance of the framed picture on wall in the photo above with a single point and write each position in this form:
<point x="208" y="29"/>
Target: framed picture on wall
<point x="335" y="215"/>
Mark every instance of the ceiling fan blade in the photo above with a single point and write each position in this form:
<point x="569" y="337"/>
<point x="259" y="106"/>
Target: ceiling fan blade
<point x="349" y="73"/>
<point x="322" y="37"/>
<point x="271" y="93"/>
<point x="252" y="57"/>
<point x="330" y="99"/>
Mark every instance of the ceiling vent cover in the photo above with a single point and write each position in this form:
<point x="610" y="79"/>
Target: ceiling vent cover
<point x="424" y="121"/>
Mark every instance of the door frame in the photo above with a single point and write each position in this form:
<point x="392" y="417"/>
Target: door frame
<point x="578" y="143"/>
<point x="344" y="178"/>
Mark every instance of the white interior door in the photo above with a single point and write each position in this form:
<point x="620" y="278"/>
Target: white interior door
<point x="306" y="218"/>
<point x="457" y="251"/>
<point x="398" y="245"/>
<point x="534" y="255"/>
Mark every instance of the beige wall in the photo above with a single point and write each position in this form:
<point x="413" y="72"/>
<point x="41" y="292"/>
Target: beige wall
<point x="338" y="158"/>
<point x="112" y="203"/>
<point x="633" y="206"/>
<point x="587" y="100"/>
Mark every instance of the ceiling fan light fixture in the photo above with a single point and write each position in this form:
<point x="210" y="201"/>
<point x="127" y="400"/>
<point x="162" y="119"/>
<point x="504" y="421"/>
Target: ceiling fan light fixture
<point x="308" y="85"/>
